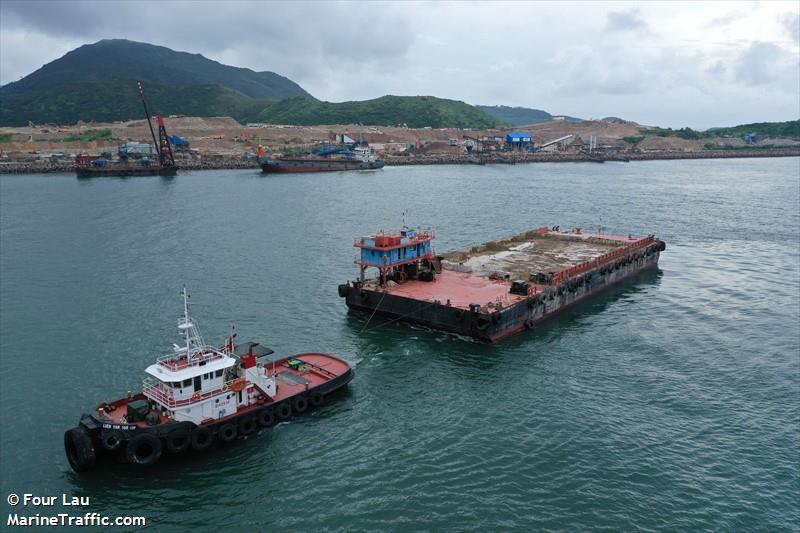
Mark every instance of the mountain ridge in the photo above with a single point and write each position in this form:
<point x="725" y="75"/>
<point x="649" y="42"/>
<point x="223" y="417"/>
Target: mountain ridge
<point x="98" y="82"/>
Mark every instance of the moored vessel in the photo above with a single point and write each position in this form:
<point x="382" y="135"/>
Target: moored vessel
<point x="86" y="167"/>
<point x="362" y="158"/>
<point x="199" y="394"/>
<point x="496" y="289"/>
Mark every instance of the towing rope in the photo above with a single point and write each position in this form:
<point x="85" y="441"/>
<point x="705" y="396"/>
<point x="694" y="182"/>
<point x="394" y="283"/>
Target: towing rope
<point x="373" y="312"/>
<point x="394" y="319"/>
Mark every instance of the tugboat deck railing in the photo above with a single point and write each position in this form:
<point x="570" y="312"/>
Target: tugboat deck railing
<point x="156" y="390"/>
<point x="180" y="361"/>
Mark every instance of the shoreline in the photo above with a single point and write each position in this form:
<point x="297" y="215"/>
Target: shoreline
<point x="507" y="158"/>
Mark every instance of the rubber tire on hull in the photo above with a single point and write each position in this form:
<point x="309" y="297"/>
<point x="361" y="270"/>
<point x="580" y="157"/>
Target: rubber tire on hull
<point x="283" y="411"/>
<point x="202" y="438"/>
<point x="247" y="425"/>
<point x="343" y="290"/>
<point x="178" y="440"/>
<point x="266" y="417"/>
<point x="299" y="404"/>
<point x="79" y="449"/>
<point x="144" y="449"/>
<point x="111" y="440"/>
<point x="227" y="432"/>
<point x="316" y="399"/>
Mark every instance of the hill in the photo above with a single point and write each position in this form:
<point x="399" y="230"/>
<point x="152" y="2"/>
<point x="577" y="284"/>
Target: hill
<point x="98" y="82"/>
<point x="788" y="130"/>
<point x="413" y="111"/>
<point x="517" y="116"/>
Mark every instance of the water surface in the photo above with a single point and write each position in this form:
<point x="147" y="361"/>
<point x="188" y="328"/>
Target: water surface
<point x="668" y="403"/>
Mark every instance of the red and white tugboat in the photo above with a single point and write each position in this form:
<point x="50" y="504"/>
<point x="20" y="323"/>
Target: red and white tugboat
<point x="198" y="394"/>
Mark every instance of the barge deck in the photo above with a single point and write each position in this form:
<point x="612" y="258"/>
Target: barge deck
<point x="495" y="289"/>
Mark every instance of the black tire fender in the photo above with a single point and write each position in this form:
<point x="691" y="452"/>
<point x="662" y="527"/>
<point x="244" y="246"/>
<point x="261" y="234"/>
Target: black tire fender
<point x="482" y="322"/>
<point x="299" y="404"/>
<point x="79" y="449"/>
<point x="247" y="425"/>
<point x="112" y="439"/>
<point x="144" y="449"/>
<point x="178" y="440"/>
<point x="459" y="314"/>
<point x="364" y="295"/>
<point x="227" y="432"/>
<point x="202" y="438"/>
<point x="265" y="418"/>
<point x="283" y="411"/>
<point x="343" y="290"/>
<point x="316" y="399"/>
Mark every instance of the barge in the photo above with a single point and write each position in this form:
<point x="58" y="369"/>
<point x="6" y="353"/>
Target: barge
<point x="362" y="159"/>
<point x="87" y="167"/>
<point x="493" y="290"/>
<point x="199" y="394"/>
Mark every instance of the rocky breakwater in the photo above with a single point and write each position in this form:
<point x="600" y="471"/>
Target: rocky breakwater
<point x="510" y="158"/>
<point x="206" y="163"/>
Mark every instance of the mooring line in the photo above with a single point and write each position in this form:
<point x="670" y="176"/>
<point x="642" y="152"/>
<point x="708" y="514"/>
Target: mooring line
<point x="373" y="312"/>
<point x="396" y="318"/>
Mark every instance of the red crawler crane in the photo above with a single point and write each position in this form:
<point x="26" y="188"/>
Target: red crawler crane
<point x="165" y="157"/>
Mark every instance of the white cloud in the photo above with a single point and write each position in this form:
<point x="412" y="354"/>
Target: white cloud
<point x="674" y="64"/>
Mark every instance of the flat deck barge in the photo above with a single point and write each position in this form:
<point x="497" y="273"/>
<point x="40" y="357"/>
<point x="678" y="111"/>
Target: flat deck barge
<point x="495" y="289"/>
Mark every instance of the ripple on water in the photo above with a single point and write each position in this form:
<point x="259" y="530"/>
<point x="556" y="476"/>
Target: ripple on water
<point x="668" y="403"/>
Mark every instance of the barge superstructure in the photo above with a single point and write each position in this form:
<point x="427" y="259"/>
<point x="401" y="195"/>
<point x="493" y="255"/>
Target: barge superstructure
<point x="496" y="289"/>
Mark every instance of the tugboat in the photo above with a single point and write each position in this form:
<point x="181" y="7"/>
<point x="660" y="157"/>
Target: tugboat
<point x="199" y="394"/>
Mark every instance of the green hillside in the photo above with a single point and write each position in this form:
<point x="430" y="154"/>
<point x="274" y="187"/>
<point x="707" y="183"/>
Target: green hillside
<point x="518" y="116"/>
<point x="789" y="129"/>
<point x="98" y="82"/>
<point x="413" y="111"/>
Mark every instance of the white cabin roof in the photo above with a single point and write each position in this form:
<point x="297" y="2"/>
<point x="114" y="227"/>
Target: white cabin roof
<point x="162" y="373"/>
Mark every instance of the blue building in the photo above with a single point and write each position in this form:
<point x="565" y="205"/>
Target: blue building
<point x="519" y="140"/>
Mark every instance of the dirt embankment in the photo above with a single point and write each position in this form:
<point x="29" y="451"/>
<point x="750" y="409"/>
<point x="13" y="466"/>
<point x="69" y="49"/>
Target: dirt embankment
<point x="221" y="142"/>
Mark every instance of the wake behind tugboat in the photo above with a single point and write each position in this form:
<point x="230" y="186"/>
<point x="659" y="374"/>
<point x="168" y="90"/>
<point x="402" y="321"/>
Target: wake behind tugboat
<point x="198" y="394"/>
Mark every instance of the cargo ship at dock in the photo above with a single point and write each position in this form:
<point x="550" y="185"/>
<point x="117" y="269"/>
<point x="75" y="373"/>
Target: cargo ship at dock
<point x="493" y="290"/>
<point x="362" y="158"/>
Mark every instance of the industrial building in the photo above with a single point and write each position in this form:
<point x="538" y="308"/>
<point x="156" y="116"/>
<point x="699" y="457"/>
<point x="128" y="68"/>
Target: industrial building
<point x="519" y="141"/>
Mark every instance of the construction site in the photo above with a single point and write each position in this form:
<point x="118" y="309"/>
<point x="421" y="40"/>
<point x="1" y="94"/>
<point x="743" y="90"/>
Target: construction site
<point x="222" y="142"/>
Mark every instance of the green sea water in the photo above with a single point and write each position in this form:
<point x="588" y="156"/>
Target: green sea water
<point x="669" y="403"/>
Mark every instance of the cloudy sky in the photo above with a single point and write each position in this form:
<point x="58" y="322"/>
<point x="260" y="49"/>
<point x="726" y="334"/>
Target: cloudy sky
<point x="672" y="64"/>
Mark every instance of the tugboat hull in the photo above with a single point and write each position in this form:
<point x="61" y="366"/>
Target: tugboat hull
<point x="139" y="444"/>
